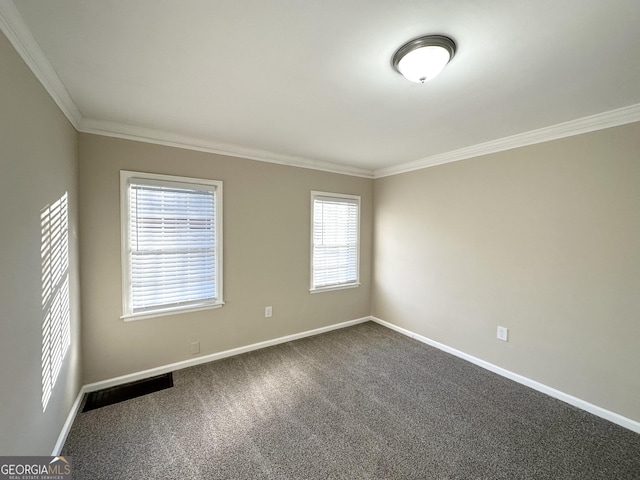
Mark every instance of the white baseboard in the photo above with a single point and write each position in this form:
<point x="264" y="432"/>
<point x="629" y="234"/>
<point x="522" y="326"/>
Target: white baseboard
<point x="132" y="377"/>
<point x="576" y="402"/>
<point x="67" y="424"/>
<point x="552" y="392"/>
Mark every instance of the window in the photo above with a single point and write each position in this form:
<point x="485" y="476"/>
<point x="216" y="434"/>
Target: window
<point x="171" y="244"/>
<point x="335" y="242"/>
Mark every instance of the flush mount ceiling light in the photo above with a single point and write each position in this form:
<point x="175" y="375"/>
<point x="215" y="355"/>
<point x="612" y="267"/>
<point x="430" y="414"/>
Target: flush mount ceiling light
<point x="424" y="58"/>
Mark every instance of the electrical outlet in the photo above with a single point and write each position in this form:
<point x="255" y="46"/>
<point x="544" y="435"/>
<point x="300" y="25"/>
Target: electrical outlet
<point x="268" y="311"/>
<point x="503" y="334"/>
<point x="195" y="348"/>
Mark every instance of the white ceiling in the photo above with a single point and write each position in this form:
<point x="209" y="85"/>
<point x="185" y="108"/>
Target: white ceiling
<point x="300" y="81"/>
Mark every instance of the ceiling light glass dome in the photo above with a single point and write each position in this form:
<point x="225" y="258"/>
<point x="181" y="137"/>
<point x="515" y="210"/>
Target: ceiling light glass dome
<point x="422" y="59"/>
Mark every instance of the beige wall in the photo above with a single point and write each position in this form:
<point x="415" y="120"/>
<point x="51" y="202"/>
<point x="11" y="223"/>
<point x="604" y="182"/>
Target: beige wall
<point x="266" y="257"/>
<point x="38" y="164"/>
<point x="543" y="240"/>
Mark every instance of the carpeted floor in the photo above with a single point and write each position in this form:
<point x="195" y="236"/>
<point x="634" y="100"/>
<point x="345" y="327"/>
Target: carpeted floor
<point x="359" y="403"/>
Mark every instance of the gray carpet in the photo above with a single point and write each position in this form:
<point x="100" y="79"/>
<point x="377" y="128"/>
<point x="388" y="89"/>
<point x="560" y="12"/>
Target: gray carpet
<point x="358" y="403"/>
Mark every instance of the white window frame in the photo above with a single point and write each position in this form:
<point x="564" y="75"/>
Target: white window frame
<point x="336" y="196"/>
<point x="126" y="178"/>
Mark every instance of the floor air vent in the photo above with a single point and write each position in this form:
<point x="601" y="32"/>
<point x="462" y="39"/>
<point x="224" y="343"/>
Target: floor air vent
<point x="120" y="393"/>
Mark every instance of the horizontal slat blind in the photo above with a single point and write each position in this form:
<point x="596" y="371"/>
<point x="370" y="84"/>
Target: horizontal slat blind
<point x="335" y="241"/>
<point x="172" y="244"/>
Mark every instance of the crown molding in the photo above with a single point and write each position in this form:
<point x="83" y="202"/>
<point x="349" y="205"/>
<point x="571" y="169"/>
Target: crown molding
<point x="160" y="137"/>
<point x="600" y="121"/>
<point x="23" y="41"/>
<point x="20" y="36"/>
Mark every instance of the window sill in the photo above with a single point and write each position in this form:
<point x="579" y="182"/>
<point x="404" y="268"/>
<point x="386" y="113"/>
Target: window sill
<point x="132" y="317"/>
<point x="334" y="288"/>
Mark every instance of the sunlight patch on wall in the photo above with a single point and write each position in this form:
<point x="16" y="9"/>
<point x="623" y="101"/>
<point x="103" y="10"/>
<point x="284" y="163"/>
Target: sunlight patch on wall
<point x="56" y="328"/>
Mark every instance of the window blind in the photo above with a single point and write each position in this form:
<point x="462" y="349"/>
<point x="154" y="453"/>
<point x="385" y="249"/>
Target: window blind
<point x="172" y="245"/>
<point x="335" y="241"/>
